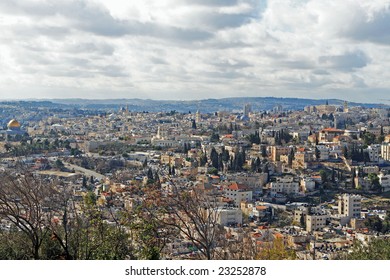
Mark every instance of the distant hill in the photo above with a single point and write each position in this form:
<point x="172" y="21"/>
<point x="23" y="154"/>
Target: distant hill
<point x="208" y="105"/>
<point x="234" y="104"/>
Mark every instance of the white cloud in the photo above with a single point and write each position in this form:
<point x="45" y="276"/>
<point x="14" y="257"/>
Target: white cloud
<point x="191" y="49"/>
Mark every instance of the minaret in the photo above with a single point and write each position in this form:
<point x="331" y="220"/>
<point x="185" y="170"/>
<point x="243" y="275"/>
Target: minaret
<point x="345" y="107"/>
<point x="198" y="117"/>
<point x="158" y="132"/>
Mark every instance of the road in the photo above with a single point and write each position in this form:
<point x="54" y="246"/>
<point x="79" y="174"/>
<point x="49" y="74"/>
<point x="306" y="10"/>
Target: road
<point x="85" y="171"/>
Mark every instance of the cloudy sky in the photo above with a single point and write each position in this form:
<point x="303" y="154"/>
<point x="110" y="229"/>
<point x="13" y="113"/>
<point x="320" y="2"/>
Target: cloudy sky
<point x="195" y="49"/>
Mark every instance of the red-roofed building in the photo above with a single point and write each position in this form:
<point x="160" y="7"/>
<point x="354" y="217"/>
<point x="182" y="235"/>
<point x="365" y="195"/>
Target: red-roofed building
<point x="214" y="179"/>
<point x="238" y="192"/>
<point x="230" y="136"/>
<point x="235" y="186"/>
<point x="328" y="134"/>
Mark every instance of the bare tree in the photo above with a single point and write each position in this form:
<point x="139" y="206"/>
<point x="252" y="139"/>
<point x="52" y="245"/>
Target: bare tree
<point x="241" y="246"/>
<point x="195" y="216"/>
<point x="191" y="215"/>
<point x="63" y="220"/>
<point x="23" y="200"/>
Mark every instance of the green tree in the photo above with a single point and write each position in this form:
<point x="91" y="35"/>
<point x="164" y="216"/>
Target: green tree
<point x="254" y="138"/>
<point x="14" y="245"/>
<point x="90" y="199"/>
<point x="148" y="232"/>
<point x="374" y="223"/>
<point x="98" y="240"/>
<point x="368" y="138"/>
<point x="213" y="171"/>
<point x="374" y="182"/>
<point x="214" y="158"/>
<point x="225" y="155"/>
<point x="7" y="147"/>
<point x="214" y="137"/>
<point x="376" y="249"/>
<point x="173" y="170"/>
<point x="263" y="151"/>
<point x="324" y="175"/>
<point x="84" y="184"/>
<point x="22" y="200"/>
<point x="345" y="151"/>
<point x="276" y="250"/>
<point x="59" y="164"/>
<point x="203" y="159"/>
<point x="380" y="139"/>
<point x="156" y="179"/>
<point x="317" y="153"/>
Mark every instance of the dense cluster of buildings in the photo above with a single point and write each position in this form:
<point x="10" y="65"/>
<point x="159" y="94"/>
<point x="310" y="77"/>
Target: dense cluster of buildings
<point x="299" y="176"/>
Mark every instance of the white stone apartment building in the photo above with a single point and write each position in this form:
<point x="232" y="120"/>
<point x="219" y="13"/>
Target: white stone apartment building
<point x="350" y="205"/>
<point x="238" y="193"/>
<point x="308" y="184"/>
<point x="286" y="185"/>
<point x="316" y="222"/>
<point x="384" y="180"/>
<point x="229" y="216"/>
<point x="385" y="152"/>
<point x="324" y="152"/>
<point x="374" y="152"/>
<point x="300" y="214"/>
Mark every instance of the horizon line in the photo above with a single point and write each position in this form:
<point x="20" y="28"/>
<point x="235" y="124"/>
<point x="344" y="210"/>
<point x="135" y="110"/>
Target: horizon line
<point x="181" y="100"/>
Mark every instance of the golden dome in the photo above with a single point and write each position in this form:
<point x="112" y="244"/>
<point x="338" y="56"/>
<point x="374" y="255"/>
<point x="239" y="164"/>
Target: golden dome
<point x="13" y="124"/>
